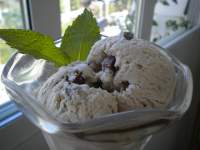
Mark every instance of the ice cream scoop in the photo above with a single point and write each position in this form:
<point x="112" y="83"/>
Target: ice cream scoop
<point x="143" y="75"/>
<point x="71" y="100"/>
<point x="120" y="74"/>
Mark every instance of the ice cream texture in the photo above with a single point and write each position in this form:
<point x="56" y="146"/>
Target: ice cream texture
<point x="120" y="74"/>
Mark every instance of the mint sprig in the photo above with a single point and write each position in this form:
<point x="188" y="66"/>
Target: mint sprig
<point x="79" y="38"/>
<point x="76" y="43"/>
<point x="35" y="44"/>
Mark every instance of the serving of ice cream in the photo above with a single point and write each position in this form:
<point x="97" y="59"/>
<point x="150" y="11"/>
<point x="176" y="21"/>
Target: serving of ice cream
<point x="87" y="93"/>
<point x="121" y="73"/>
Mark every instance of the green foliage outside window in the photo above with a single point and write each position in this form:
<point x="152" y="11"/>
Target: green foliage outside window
<point x="119" y="5"/>
<point x="75" y="4"/>
<point x="5" y="52"/>
<point x="10" y="17"/>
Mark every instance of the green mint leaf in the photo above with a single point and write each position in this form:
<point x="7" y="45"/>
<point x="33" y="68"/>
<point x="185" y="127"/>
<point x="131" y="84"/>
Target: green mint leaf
<point x="34" y="43"/>
<point x="80" y="36"/>
<point x="164" y="2"/>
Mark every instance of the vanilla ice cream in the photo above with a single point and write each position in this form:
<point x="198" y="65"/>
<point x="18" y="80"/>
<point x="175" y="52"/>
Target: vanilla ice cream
<point x="120" y="74"/>
<point x="69" y="97"/>
<point x="143" y="75"/>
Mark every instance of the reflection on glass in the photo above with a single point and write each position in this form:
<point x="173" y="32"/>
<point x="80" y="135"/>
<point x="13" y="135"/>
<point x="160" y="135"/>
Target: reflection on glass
<point x="10" y="17"/>
<point x="170" y="18"/>
<point x="113" y="16"/>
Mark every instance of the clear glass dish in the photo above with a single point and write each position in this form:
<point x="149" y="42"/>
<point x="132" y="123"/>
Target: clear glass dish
<point x="120" y="131"/>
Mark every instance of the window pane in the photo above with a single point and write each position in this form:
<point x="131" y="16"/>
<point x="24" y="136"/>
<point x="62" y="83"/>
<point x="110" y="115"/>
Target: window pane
<point x="113" y="16"/>
<point x="10" y="17"/>
<point x="170" y="19"/>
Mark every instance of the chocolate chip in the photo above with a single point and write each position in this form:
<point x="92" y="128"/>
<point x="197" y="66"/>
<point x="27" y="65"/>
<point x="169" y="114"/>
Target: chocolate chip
<point x="139" y="66"/>
<point x="96" y="67"/>
<point x="109" y="62"/>
<point x="64" y="105"/>
<point x="98" y="84"/>
<point x="68" y="91"/>
<point x="77" y="72"/>
<point x="116" y="68"/>
<point x="125" y="84"/>
<point x="127" y="62"/>
<point x="66" y="78"/>
<point x="56" y="83"/>
<point x="79" y="79"/>
<point x="128" y="35"/>
<point x="58" y="100"/>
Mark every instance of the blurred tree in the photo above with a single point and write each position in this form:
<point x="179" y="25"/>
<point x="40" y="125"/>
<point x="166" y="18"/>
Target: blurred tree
<point x="119" y="5"/>
<point x="129" y="22"/>
<point x="11" y="17"/>
<point x="5" y="52"/>
<point x="75" y="4"/>
<point x="86" y="3"/>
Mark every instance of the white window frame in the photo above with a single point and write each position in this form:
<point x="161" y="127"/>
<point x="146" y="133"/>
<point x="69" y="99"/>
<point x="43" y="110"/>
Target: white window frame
<point x="144" y="17"/>
<point x="19" y="130"/>
<point x="45" y="17"/>
<point x="145" y="13"/>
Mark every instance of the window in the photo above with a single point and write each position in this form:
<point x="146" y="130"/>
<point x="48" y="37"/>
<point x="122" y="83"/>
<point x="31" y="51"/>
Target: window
<point x="11" y="16"/>
<point x="45" y="18"/>
<point x="113" y="16"/>
<point x="170" y="19"/>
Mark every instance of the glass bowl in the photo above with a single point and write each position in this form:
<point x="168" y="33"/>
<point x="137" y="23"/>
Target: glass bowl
<point x="120" y="131"/>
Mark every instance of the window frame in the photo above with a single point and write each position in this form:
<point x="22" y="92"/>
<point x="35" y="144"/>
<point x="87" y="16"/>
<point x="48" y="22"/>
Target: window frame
<point x="31" y="10"/>
<point x="145" y="22"/>
<point x="40" y="22"/>
<point x="15" y="123"/>
<point x="144" y="17"/>
<point x="8" y="110"/>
